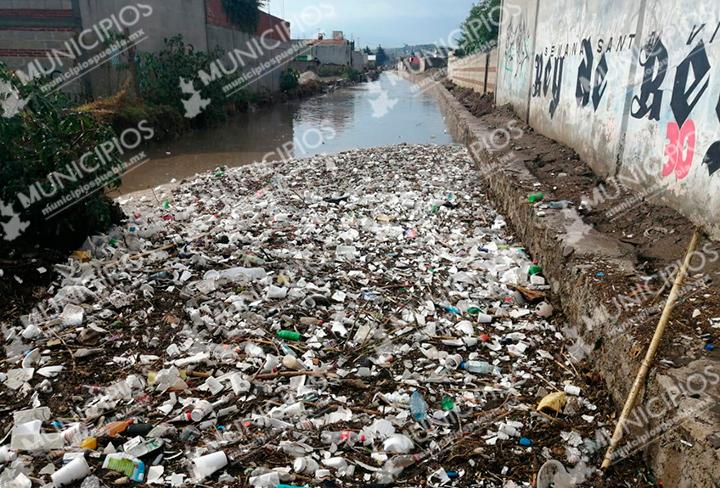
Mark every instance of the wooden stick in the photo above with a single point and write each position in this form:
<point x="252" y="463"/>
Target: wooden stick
<point x="652" y="349"/>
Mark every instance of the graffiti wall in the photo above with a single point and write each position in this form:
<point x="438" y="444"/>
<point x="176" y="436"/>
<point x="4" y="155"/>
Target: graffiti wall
<point x="633" y="87"/>
<point x="581" y="66"/>
<point x="674" y="115"/>
<point x="516" y="44"/>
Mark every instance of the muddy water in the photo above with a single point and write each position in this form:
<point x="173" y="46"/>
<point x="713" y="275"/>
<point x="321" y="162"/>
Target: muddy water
<point x="380" y="113"/>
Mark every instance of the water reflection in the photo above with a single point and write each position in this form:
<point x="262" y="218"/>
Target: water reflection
<point x="381" y="113"/>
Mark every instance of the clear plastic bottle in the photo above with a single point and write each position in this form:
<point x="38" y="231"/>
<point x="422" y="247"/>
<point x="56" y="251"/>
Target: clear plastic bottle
<point x="480" y="367"/>
<point x="347" y="436"/>
<point x="418" y="406"/>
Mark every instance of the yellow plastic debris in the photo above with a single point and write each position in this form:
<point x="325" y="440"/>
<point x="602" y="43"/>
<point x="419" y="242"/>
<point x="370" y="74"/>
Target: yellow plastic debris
<point x="89" y="443"/>
<point x="82" y="256"/>
<point x="553" y="402"/>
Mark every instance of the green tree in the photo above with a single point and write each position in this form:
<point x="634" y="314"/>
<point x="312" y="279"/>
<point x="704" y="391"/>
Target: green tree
<point x="244" y="13"/>
<point x="368" y="50"/>
<point x="480" y="29"/>
<point x="382" y="57"/>
<point x="160" y="75"/>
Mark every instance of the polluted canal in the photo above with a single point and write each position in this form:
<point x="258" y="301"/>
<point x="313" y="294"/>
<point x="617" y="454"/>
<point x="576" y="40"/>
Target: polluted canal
<point x="380" y="113"/>
<point x="359" y="319"/>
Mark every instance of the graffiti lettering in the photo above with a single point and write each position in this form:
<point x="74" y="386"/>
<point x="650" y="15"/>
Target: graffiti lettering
<point x="694" y="32"/>
<point x="538" y="75"/>
<point x="556" y="85"/>
<point x="681" y="104"/>
<point x="582" y="89"/>
<point x="546" y="80"/>
<point x="516" y="50"/>
<point x="680" y="149"/>
<point x="600" y="81"/>
<point x="585" y="74"/>
<point x="554" y="66"/>
<point x="655" y="68"/>
<point x="712" y="157"/>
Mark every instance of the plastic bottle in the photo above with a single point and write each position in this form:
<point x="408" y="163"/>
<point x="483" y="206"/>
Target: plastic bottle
<point x="348" y="436"/>
<point x="560" y="205"/>
<point x="200" y="410"/>
<point x="189" y="433"/>
<point x="418" y="407"/>
<point x="289" y="335"/>
<point x="534" y="269"/>
<point x="114" y="429"/>
<point x="479" y="367"/>
<point x="447" y="403"/>
<point x="535" y="197"/>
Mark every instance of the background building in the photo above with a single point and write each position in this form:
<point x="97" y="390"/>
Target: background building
<point x="29" y="33"/>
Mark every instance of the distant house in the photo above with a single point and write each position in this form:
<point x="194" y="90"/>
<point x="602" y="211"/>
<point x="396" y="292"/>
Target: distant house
<point x="333" y="51"/>
<point x="331" y="55"/>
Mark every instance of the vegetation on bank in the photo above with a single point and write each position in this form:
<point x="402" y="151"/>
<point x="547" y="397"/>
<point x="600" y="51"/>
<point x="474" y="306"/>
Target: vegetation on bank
<point x="43" y="142"/>
<point x="160" y="79"/>
<point x="47" y="150"/>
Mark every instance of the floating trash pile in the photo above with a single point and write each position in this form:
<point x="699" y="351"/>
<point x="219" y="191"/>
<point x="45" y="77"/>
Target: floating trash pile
<point x="361" y="319"/>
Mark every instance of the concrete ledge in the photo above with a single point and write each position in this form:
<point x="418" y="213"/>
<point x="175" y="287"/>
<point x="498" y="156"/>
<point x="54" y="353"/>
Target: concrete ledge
<point x="686" y="455"/>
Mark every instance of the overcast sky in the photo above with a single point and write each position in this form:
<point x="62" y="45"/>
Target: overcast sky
<point x="391" y="23"/>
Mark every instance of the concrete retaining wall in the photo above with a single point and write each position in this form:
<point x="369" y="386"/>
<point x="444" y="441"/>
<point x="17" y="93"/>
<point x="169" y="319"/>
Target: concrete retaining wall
<point x="515" y="64"/>
<point x="673" y="127"/>
<point x="477" y="71"/>
<point x="582" y="58"/>
<point x="168" y="18"/>
<point x="630" y="86"/>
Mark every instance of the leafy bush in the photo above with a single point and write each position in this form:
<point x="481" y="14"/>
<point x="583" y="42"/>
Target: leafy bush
<point x="289" y="80"/>
<point x="353" y="75"/>
<point x="41" y="150"/>
<point x="160" y="75"/>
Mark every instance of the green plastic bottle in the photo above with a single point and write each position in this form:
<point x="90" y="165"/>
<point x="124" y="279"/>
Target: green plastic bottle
<point x="535" y="197"/>
<point x="535" y="269"/>
<point x="289" y="335"/>
<point x="447" y="403"/>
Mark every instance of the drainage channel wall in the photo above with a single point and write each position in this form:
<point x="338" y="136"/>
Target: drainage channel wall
<point x="680" y="455"/>
<point x="632" y="86"/>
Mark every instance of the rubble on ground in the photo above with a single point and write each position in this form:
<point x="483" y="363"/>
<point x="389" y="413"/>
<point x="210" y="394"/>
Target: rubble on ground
<point x="349" y="320"/>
